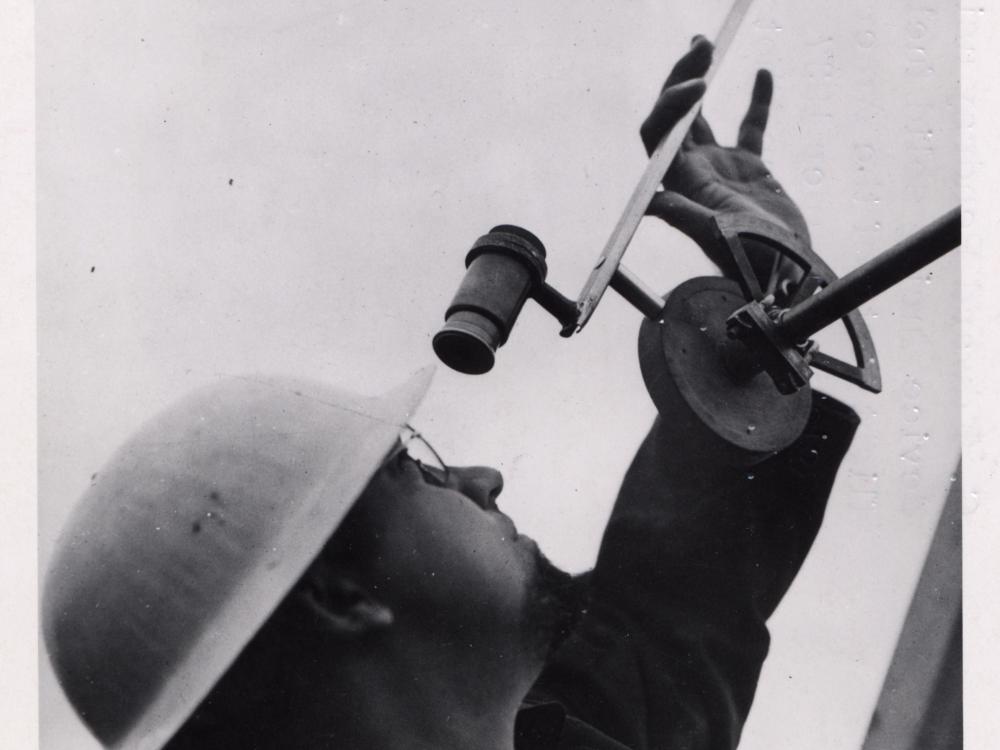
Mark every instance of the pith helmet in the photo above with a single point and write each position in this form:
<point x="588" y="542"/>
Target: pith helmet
<point x="193" y="533"/>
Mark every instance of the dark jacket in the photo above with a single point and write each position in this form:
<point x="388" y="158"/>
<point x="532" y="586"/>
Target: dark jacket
<point x="694" y="560"/>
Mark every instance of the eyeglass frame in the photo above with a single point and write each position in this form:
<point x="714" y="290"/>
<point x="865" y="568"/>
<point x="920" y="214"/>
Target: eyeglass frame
<point x="435" y="475"/>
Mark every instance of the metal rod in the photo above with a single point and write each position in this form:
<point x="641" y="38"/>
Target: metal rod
<point x="872" y="278"/>
<point x="640" y="296"/>
<point x="659" y="162"/>
<point x="562" y="308"/>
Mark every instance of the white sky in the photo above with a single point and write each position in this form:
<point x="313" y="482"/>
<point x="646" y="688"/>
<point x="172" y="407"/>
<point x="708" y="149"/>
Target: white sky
<point x="370" y="143"/>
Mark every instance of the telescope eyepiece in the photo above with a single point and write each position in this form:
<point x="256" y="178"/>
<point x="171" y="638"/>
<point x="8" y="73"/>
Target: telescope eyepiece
<point x="468" y="342"/>
<point x="504" y="268"/>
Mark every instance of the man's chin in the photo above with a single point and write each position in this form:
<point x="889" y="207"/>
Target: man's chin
<point x="557" y="602"/>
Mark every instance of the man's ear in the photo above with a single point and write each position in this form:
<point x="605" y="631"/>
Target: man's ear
<point x="341" y="603"/>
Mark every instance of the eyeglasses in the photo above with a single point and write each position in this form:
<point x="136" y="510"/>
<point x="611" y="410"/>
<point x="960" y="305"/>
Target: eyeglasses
<point x="434" y="470"/>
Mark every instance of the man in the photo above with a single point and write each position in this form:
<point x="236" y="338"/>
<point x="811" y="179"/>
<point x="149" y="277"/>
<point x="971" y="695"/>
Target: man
<point x="277" y="564"/>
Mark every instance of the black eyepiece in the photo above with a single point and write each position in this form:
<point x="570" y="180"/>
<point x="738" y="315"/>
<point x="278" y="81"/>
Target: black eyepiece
<point x="503" y="269"/>
<point x="468" y="342"/>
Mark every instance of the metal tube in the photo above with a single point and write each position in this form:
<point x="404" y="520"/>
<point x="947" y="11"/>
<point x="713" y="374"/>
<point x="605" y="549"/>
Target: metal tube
<point x="640" y="296"/>
<point x="872" y="278"/>
<point x="560" y="307"/>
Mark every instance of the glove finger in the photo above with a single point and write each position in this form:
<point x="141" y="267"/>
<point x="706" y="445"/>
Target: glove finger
<point x="701" y="131"/>
<point x="751" y="135"/>
<point x="669" y="108"/>
<point x="694" y="63"/>
<point x="693" y="219"/>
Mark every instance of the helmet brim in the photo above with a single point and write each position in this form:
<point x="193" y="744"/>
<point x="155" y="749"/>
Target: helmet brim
<point x="173" y="623"/>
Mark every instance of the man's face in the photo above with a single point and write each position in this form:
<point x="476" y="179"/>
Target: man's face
<point x="446" y="559"/>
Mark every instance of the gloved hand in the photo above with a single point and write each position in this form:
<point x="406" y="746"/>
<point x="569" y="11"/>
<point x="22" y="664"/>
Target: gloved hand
<point x="706" y="179"/>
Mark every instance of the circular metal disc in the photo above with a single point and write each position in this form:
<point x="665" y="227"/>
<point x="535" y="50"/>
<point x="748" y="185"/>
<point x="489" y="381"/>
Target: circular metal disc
<point x="681" y="356"/>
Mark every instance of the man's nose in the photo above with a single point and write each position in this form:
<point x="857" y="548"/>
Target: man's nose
<point x="479" y="483"/>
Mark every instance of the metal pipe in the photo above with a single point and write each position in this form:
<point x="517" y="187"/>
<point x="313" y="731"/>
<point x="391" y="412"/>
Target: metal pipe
<point x="640" y="296"/>
<point x="872" y="278"/>
<point x="562" y="308"/>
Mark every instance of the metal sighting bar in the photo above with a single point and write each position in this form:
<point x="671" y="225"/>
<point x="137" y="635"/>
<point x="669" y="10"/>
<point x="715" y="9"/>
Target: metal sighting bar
<point x="608" y="269"/>
<point x="870" y="279"/>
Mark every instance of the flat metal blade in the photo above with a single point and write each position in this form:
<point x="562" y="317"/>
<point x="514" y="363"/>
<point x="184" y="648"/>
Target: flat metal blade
<point x="659" y="162"/>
